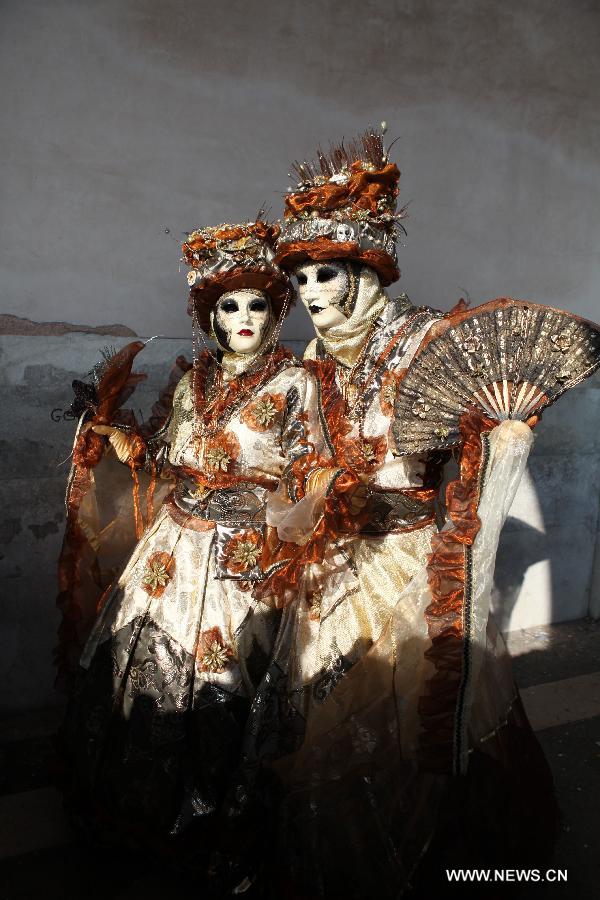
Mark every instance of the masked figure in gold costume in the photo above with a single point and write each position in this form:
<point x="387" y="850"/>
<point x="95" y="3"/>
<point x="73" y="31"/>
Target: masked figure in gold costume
<point x="389" y="717"/>
<point x="178" y="642"/>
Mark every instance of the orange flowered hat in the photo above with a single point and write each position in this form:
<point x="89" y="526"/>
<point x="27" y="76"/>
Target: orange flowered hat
<point x="344" y="207"/>
<point x="231" y="257"/>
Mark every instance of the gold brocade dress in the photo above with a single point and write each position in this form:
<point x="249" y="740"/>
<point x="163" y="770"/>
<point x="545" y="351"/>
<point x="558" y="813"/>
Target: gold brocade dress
<point x="335" y="743"/>
<point x="168" y="673"/>
<point x="349" y="598"/>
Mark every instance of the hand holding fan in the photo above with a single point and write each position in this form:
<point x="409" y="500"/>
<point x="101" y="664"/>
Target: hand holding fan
<point x="506" y="359"/>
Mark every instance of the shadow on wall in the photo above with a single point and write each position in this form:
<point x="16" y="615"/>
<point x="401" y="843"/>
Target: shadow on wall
<point x="512" y="567"/>
<point x="548" y="547"/>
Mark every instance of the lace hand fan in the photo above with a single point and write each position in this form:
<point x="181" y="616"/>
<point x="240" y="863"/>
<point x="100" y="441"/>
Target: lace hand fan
<point x="507" y="359"/>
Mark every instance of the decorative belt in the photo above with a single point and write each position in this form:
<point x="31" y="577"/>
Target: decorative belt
<point x="243" y="503"/>
<point x="392" y="511"/>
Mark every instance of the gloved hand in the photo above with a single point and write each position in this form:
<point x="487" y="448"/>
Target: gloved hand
<point x="120" y="441"/>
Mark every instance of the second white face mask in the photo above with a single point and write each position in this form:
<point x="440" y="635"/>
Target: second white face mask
<point x="241" y="320"/>
<point x="323" y="287"/>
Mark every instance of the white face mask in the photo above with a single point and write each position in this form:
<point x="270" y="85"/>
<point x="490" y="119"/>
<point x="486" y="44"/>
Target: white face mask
<point x="323" y="287"/>
<point x="241" y="320"/>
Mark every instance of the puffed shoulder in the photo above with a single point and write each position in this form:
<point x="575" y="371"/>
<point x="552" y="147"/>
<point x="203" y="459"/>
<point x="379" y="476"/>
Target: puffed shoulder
<point x="311" y="350"/>
<point x="183" y="384"/>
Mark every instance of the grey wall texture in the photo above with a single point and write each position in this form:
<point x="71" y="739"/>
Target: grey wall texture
<point x="123" y="118"/>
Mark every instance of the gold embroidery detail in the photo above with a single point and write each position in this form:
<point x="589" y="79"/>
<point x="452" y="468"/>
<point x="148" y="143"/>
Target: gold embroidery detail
<point x="155" y="575"/>
<point x="265" y="411"/>
<point x="246" y="555"/>
<point x="215" y="657"/>
<point x="368" y="452"/>
<point x="217" y="458"/>
<point x="212" y="653"/>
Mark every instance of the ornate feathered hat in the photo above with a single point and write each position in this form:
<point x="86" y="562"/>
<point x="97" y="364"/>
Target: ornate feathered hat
<point x="231" y="257"/>
<point x="344" y="206"/>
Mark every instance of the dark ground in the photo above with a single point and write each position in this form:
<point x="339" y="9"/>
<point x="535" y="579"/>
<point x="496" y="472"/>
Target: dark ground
<point x="558" y="670"/>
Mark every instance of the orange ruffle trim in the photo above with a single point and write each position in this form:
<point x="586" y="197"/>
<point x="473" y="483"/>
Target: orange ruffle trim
<point x="363" y="190"/>
<point x="281" y="587"/>
<point x="447" y="580"/>
<point x="77" y="561"/>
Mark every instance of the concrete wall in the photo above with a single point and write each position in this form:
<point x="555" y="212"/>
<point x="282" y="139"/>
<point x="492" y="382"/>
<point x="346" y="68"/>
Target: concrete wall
<point x="123" y="118"/>
<point x="545" y="569"/>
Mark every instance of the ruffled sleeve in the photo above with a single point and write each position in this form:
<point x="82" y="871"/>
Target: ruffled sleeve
<point x="311" y="506"/>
